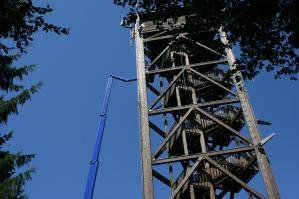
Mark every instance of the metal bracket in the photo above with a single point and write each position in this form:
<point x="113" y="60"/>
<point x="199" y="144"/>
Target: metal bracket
<point x="266" y="139"/>
<point x="263" y="122"/>
<point x="94" y="162"/>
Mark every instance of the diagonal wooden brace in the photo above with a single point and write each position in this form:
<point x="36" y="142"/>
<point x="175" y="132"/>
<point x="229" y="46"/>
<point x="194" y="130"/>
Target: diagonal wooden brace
<point x="167" y="88"/>
<point x="188" y="174"/>
<point x="233" y="131"/>
<point x="235" y="178"/>
<point x="160" y="149"/>
<point x="212" y="81"/>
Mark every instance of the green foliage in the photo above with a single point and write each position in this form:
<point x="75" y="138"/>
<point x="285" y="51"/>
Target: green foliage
<point x="19" y="20"/>
<point x="12" y="184"/>
<point x="13" y="187"/>
<point x="267" y="32"/>
<point x="10" y="106"/>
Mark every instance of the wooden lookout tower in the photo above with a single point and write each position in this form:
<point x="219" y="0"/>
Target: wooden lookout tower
<point x="199" y="135"/>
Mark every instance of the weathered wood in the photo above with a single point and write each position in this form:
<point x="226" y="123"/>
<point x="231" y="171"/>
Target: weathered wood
<point x="205" y="104"/>
<point x="194" y="156"/>
<point x="146" y="159"/>
<point x="212" y="81"/>
<point x="169" y="136"/>
<point x="157" y="129"/>
<point x="161" y="178"/>
<point x="237" y="134"/>
<point x="178" y="68"/>
<point x="249" y="116"/>
<point x="243" y="184"/>
<point x="166" y="89"/>
<point x="204" y="46"/>
<point x="191" y="109"/>
<point x="157" y="58"/>
<point x="188" y="174"/>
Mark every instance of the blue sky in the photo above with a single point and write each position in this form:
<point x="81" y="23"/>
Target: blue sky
<point x="61" y="122"/>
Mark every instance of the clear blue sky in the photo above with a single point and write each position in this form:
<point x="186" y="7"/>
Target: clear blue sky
<point x="61" y="122"/>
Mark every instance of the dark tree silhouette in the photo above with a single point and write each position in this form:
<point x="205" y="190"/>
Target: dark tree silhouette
<point x="19" y="20"/>
<point x="266" y="32"/>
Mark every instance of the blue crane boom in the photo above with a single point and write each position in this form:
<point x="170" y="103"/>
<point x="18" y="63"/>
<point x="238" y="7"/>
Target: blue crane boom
<point x="94" y="163"/>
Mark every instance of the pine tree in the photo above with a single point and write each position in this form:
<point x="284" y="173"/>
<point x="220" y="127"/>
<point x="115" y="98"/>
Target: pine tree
<point x="19" y="20"/>
<point x="11" y="184"/>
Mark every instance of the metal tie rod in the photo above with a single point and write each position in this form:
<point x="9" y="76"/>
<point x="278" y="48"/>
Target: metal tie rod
<point x="94" y="163"/>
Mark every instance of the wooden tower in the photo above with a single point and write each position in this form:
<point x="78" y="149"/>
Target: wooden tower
<point x="199" y="135"/>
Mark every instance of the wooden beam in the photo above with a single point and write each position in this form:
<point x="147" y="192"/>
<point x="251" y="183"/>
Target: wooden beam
<point x="182" y="108"/>
<point x="146" y="160"/>
<point x="235" y="178"/>
<point x="159" y="151"/>
<point x="161" y="178"/>
<point x="156" y="59"/>
<point x="188" y="174"/>
<point x="157" y="129"/>
<point x="249" y="116"/>
<point x="233" y="131"/>
<point x="212" y="81"/>
<point x="177" y="68"/>
<point x="166" y="89"/>
<point x="194" y="156"/>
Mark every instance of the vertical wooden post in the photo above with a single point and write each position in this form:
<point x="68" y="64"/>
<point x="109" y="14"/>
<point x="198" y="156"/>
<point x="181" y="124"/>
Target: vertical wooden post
<point x="146" y="159"/>
<point x="261" y="155"/>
